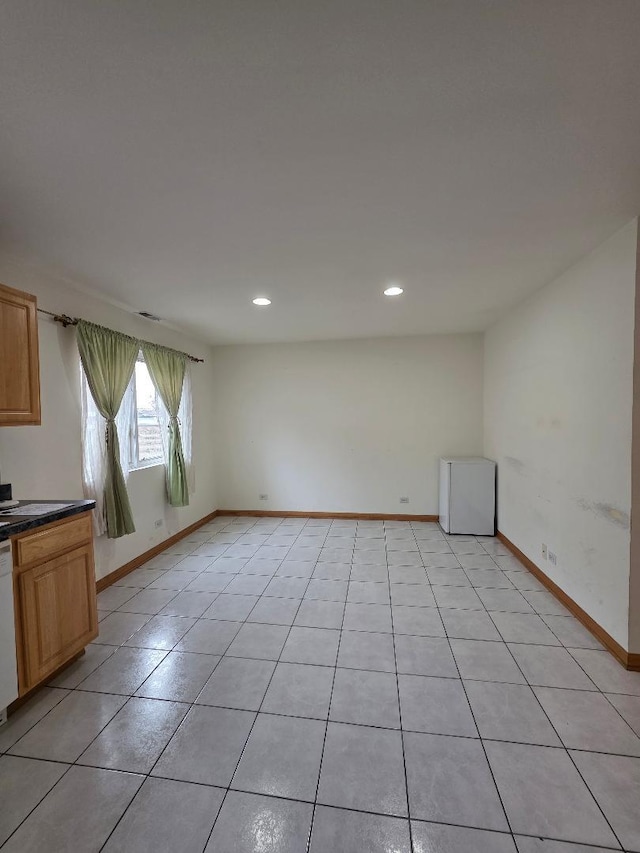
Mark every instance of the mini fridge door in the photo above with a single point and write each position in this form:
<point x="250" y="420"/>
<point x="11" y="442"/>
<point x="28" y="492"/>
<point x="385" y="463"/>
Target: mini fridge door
<point x="472" y="504"/>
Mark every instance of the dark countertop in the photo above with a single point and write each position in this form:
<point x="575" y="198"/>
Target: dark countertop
<point x="21" y="523"/>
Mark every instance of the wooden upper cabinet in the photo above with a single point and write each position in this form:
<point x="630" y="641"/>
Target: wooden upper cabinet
<point x="19" y="363"/>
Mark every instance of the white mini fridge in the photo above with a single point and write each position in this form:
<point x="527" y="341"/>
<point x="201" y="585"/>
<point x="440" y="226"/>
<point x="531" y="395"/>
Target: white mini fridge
<point x="468" y="495"/>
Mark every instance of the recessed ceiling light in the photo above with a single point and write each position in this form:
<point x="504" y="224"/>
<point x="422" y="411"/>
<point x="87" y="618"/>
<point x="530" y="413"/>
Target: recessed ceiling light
<point x="261" y="300"/>
<point x="394" y="290"/>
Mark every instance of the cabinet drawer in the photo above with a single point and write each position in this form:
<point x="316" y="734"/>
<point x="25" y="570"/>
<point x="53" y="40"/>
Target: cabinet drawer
<point x="49" y="541"/>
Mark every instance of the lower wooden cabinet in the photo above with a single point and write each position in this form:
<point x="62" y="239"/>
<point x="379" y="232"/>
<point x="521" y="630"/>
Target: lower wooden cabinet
<point x="55" y="608"/>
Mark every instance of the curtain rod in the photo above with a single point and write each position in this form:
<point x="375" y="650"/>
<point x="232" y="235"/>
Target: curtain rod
<point x="73" y="321"/>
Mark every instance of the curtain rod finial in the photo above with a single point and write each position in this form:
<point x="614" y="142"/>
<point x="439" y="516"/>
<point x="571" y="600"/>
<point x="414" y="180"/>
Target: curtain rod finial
<point x="66" y="320"/>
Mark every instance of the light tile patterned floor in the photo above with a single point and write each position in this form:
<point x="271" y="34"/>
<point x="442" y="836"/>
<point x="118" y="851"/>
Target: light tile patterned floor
<point x="329" y="686"/>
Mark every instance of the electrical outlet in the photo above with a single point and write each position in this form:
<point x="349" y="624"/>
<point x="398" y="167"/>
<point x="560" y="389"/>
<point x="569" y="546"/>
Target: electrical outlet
<point x="553" y="559"/>
<point x="158" y="523"/>
<point x="263" y="497"/>
<point x="404" y="500"/>
<point x="544" y="551"/>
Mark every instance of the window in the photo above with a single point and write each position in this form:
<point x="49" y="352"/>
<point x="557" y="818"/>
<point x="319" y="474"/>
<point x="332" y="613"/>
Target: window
<point x="143" y="426"/>
<point x="147" y="441"/>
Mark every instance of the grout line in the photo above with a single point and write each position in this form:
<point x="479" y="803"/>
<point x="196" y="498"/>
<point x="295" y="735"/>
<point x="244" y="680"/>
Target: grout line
<point x="66" y="690"/>
<point x="324" y="535"/>
<point x="182" y="721"/>
<point x="326" y="728"/>
<point x="70" y="765"/>
<point x="564" y="748"/>
<point x="486" y="757"/>
<point x="404" y="757"/>
<point x="257" y="713"/>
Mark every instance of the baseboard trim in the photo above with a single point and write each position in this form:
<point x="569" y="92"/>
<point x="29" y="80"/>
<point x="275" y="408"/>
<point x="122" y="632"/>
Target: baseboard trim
<point x="138" y="561"/>
<point x="361" y="516"/>
<point x="628" y="659"/>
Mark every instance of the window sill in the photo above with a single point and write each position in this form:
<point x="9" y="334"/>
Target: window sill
<point x="146" y="465"/>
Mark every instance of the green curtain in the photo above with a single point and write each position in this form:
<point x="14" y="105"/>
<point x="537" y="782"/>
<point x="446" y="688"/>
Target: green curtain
<point x="109" y="359"/>
<point x="167" y="368"/>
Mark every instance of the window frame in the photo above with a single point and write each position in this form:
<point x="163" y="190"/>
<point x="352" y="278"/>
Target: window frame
<point x="155" y="461"/>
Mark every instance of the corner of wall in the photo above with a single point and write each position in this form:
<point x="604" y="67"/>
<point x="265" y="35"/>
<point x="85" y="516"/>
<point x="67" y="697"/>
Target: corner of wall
<point x="634" y="573"/>
<point x="562" y="419"/>
<point x="45" y="461"/>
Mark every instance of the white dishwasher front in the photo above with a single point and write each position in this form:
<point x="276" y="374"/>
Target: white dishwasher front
<point x="8" y="663"/>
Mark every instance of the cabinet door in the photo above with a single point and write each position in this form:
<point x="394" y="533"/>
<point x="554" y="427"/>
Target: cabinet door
<point x="19" y="366"/>
<point x="58" y="614"/>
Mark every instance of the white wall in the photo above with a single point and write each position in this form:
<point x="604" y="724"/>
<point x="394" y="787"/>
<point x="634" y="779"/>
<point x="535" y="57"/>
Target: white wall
<point x="45" y="461"/>
<point x="345" y="426"/>
<point x="634" y="581"/>
<point x="350" y="426"/>
<point x="557" y="418"/>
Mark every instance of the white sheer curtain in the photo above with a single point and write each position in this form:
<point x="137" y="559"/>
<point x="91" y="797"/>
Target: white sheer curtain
<point x="94" y="451"/>
<point x="185" y="419"/>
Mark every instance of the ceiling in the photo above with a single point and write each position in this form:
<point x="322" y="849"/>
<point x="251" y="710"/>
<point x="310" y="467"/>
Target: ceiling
<point x="183" y="157"/>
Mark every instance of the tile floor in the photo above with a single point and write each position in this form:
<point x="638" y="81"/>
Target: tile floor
<point x="298" y="685"/>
